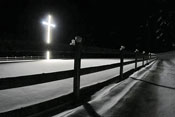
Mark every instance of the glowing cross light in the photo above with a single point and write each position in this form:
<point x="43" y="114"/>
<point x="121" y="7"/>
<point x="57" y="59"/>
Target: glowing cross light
<point x="49" y="24"/>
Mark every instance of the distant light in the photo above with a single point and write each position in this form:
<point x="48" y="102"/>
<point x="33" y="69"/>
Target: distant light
<point x="122" y="47"/>
<point x="49" y="24"/>
<point x="136" y="50"/>
<point x="48" y="55"/>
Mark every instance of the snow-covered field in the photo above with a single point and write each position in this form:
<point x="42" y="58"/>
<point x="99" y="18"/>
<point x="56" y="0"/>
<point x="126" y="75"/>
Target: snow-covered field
<point x="24" y="96"/>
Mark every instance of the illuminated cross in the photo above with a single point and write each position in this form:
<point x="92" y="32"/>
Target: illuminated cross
<point x="49" y="25"/>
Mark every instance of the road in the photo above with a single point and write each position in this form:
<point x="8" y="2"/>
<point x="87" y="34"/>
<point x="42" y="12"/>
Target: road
<point x="150" y="92"/>
<point x="24" y="96"/>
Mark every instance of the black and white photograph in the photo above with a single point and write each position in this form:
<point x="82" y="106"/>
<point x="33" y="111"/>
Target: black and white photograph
<point x="87" y="58"/>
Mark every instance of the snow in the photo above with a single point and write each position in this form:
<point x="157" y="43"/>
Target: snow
<point x="46" y="66"/>
<point x="104" y="100"/>
<point x="24" y="96"/>
<point x="150" y="92"/>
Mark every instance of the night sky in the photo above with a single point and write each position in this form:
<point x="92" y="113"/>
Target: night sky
<point x="105" y="24"/>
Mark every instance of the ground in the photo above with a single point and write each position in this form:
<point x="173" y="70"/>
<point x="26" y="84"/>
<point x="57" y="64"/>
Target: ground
<point x="150" y="92"/>
<point x="16" y="98"/>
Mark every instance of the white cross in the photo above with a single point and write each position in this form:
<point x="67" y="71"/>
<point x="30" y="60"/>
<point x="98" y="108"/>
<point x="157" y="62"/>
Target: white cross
<point x="49" y="24"/>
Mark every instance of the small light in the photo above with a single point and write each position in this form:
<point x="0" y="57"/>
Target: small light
<point x="122" y="47"/>
<point x="47" y="55"/>
<point x="136" y="50"/>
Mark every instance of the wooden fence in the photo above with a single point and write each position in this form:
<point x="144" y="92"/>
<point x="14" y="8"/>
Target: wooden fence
<point x="14" y="82"/>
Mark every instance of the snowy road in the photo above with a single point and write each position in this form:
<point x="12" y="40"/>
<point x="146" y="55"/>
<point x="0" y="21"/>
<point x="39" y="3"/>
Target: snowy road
<point x="20" y="97"/>
<point x="150" y="92"/>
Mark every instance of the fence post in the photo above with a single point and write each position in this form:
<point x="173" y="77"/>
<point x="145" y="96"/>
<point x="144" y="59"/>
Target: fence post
<point x="77" y="65"/>
<point x="121" y="62"/>
<point x="143" y="58"/>
<point x="136" y="51"/>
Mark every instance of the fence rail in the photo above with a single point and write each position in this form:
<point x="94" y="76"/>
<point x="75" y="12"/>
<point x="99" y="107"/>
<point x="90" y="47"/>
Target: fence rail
<point x="14" y="82"/>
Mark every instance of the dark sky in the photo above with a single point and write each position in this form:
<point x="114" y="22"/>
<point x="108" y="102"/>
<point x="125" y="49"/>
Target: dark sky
<point x="106" y="24"/>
